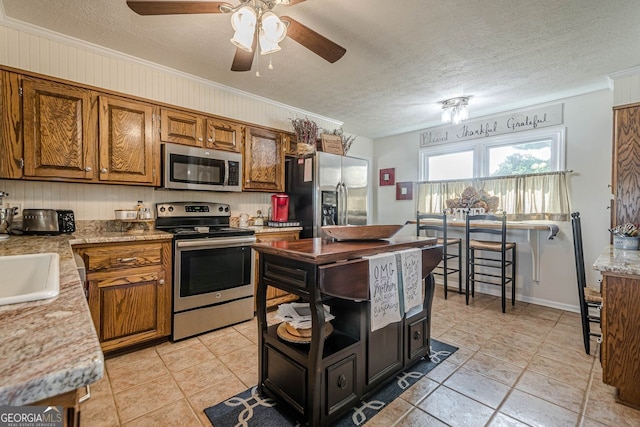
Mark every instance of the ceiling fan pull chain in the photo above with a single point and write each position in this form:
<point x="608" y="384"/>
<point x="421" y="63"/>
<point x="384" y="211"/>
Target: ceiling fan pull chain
<point x="257" y="65"/>
<point x="270" y="64"/>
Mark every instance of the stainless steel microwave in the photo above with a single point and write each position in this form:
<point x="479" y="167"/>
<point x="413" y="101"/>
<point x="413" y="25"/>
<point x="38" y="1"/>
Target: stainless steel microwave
<point x="194" y="168"/>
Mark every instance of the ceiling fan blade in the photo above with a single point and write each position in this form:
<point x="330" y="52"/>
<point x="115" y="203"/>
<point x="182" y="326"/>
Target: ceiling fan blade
<point x="313" y="41"/>
<point x="243" y="60"/>
<point x="175" y="7"/>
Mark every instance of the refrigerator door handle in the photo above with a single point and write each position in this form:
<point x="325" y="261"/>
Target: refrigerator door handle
<point x="339" y="204"/>
<point x="345" y="196"/>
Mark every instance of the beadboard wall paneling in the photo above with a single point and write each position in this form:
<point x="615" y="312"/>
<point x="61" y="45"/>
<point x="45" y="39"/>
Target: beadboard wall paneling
<point x="98" y="201"/>
<point x="41" y="51"/>
<point x="626" y="87"/>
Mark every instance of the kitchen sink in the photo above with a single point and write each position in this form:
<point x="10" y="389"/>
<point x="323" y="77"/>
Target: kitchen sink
<point x="29" y="277"/>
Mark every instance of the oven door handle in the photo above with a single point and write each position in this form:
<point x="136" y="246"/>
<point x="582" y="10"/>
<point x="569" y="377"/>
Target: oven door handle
<point x="215" y="243"/>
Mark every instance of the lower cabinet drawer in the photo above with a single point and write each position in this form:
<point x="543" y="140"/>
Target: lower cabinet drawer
<point x="286" y="378"/>
<point x="341" y="384"/>
<point x="417" y="337"/>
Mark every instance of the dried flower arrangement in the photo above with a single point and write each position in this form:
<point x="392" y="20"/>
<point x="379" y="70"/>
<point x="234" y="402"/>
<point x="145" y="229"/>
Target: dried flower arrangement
<point x="471" y="198"/>
<point x="346" y="140"/>
<point x="306" y="130"/>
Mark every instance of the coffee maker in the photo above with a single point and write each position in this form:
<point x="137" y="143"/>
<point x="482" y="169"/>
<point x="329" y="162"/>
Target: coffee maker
<point x="279" y="208"/>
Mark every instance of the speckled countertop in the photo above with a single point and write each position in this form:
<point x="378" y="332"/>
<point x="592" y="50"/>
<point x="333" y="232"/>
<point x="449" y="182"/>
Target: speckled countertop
<point x="50" y="347"/>
<point x="621" y="261"/>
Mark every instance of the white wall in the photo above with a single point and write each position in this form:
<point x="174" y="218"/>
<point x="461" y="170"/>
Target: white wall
<point x="34" y="49"/>
<point x="588" y="121"/>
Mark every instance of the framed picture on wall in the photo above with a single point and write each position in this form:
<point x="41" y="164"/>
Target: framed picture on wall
<point x="404" y="190"/>
<point x="387" y="176"/>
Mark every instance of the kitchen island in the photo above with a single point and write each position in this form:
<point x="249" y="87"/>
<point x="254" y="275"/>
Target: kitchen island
<point x="320" y="380"/>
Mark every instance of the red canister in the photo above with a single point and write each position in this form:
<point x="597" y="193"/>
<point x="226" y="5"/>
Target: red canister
<point x="280" y="207"/>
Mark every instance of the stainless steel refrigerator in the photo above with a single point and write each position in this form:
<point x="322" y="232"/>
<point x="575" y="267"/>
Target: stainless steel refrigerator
<point x="327" y="189"/>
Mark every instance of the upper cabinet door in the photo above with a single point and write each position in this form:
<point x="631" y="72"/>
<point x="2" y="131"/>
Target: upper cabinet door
<point x="223" y="135"/>
<point x="181" y="128"/>
<point x="58" y="126"/>
<point x="263" y="161"/>
<point x="10" y="126"/>
<point x="626" y="164"/>
<point x="127" y="141"/>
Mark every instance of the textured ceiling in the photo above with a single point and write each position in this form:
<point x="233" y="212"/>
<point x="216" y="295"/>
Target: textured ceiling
<point x="403" y="57"/>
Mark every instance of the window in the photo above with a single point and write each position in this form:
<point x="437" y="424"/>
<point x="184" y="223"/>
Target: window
<point x="515" y="154"/>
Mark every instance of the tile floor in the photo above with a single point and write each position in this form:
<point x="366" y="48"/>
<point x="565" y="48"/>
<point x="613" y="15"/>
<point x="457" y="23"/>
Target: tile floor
<point x="524" y="367"/>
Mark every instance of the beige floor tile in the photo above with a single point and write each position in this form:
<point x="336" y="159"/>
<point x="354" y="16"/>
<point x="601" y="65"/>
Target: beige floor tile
<point x="125" y="359"/>
<point x="552" y="390"/>
<point x="514" y="355"/>
<point x="214" y="335"/>
<point x="454" y="408"/>
<point x="573" y="358"/>
<point x="461" y="338"/>
<point x="516" y="339"/>
<point x="419" y="418"/>
<point x="421" y="389"/>
<point x="478" y="387"/>
<point x="542" y="312"/>
<point x="588" y="422"/>
<point x="390" y="413"/>
<point x="537" y="412"/>
<point x="242" y="359"/>
<point x="249" y="377"/>
<point x="228" y="343"/>
<point x="601" y="406"/>
<point x="150" y="396"/>
<point x="187" y="356"/>
<point x="177" y="413"/>
<point x="461" y="355"/>
<point x="212" y="396"/>
<point x="441" y="372"/>
<point x="576" y="376"/>
<point x="99" y="411"/>
<point x="478" y="328"/>
<point x="493" y="368"/>
<point x="136" y="373"/>
<point x="168" y="346"/>
<point x="570" y="318"/>
<point x="202" y="375"/>
<point x="501" y="420"/>
<point x="532" y="326"/>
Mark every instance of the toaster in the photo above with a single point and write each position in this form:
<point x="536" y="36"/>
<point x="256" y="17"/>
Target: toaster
<point x="48" y="221"/>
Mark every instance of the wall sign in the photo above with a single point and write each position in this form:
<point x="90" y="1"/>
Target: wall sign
<point x="508" y="123"/>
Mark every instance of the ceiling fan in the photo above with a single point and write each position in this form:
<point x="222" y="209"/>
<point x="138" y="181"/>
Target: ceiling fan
<point x="250" y="12"/>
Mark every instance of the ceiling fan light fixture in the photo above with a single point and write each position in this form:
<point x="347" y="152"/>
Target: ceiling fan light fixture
<point x="244" y="22"/>
<point x="272" y="32"/>
<point x="455" y="110"/>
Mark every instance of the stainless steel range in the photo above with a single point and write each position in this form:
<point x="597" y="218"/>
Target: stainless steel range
<point x="212" y="267"/>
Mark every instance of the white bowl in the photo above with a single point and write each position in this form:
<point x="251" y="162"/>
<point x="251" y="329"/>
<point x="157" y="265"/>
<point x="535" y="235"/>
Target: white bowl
<point x="126" y="214"/>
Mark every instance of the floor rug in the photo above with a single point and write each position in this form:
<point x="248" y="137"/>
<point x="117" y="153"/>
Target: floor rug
<point x="249" y="409"/>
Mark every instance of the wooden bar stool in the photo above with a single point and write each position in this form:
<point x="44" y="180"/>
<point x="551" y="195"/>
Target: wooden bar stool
<point x="443" y="268"/>
<point x="589" y="298"/>
<point x="501" y="263"/>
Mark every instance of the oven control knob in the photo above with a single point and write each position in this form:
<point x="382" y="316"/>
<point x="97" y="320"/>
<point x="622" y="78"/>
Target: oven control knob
<point x="220" y="209"/>
<point x="226" y="208"/>
<point x="218" y="295"/>
<point x="170" y="208"/>
<point x="162" y="209"/>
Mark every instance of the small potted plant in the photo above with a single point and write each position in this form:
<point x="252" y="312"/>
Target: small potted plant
<point x="626" y="236"/>
<point x="306" y="131"/>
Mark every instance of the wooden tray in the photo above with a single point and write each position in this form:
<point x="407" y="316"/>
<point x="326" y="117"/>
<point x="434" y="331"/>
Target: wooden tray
<point x="286" y="336"/>
<point x="361" y="232"/>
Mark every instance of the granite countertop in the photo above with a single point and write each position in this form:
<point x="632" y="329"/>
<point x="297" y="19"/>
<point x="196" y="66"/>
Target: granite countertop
<point x="621" y="261"/>
<point x="50" y="347"/>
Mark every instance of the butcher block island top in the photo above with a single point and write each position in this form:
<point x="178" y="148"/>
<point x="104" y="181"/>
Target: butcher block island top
<point x="319" y="381"/>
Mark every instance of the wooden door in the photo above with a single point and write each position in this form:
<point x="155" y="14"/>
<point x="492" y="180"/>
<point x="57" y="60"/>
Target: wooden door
<point x="59" y="130"/>
<point x="10" y="126"/>
<point x="626" y="165"/>
<point x="129" y="308"/>
<point x="181" y="128"/>
<point x="263" y="161"/>
<point x="127" y="148"/>
<point x="223" y="135"/>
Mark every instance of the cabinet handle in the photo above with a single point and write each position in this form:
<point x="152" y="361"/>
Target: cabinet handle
<point x="161" y="282"/>
<point x="86" y="396"/>
<point x="417" y="335"/>
<point x="342" y="381"/>
<point x="200" y="139"/>
<point x="126" y="259"/>
<point x="210" y="139"/>
<point x="104" y="170"/>
<point x="88" y="169"/>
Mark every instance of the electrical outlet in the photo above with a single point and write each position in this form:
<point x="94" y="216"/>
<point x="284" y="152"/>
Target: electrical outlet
<point x="15" y="205"/>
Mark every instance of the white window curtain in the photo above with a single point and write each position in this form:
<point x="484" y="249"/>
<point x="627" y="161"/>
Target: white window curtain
<point x="522" y="197"/>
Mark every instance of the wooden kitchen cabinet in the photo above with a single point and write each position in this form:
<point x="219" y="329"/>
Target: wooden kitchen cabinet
<point x="127" y="141"/>
<point x="10" y="126"/>
<point x="181" y="127"/>
<point x="59" y="125"/>
<point x="263" y="160"/>
<point x="223" y="135"/>
<point x="129" y="291"/>
<point x="275" y="296"/>
<point x="626" y="164"/>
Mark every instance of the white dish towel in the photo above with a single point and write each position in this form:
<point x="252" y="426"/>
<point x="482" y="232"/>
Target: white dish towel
<point x="384" y="290"/>
<point x="411" y="266"/>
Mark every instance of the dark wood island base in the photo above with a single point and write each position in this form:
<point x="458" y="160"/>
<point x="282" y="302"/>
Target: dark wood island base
<point x="318" y="382"/>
